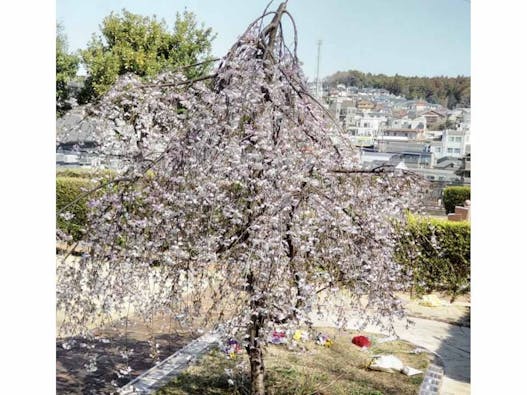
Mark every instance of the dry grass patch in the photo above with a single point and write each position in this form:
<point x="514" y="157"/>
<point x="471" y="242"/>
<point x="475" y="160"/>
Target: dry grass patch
<point x="338" y="370"/>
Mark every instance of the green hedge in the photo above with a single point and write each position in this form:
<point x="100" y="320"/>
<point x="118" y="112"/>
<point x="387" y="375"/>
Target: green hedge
<point x="455" y="196"/>
<point x="67" y="190"/>
<point x="79" y="172"/>
<point x="436" y="253"/>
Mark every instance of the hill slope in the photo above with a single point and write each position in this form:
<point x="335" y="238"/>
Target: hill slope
<point x="448" y="91"/>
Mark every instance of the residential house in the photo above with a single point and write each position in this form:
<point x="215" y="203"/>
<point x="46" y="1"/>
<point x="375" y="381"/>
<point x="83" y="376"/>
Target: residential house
<point x="415" y="153"/>
<point x="366" y="123"/>
<point x="453" y="143"/>
<point x="365" y="105"/>
<point x="419" y="106"/>
<point x="433" y="117"/>
<point x="464" y="169"/>
<point x="411" y="134"/>
<point x="78" y="141"/>
<point x="407" y="122"/>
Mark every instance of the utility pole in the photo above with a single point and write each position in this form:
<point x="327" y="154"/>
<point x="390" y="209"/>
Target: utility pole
<point x="318" y="92"/>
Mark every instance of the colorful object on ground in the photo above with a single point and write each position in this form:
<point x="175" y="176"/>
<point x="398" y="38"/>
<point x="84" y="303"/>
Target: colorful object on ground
<point x="233" y="348"/>
<point x="300" y="336"/>
<point x="324" y="340"/>
<point x="279" y="337"/>
<point x="361" y="341"/>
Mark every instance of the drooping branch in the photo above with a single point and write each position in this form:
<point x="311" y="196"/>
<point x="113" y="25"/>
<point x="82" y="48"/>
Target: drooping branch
<point x="184" y="83"/>
<point x="95" y="189"/>
<point x="268" y="35"/>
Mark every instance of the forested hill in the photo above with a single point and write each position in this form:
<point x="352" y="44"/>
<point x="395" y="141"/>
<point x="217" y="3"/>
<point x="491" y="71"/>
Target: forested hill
<point x="448" y="91"/>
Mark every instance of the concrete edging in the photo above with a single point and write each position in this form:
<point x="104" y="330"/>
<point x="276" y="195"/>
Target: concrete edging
<point x="433" y="376"/>
<point x="160" y="374"/>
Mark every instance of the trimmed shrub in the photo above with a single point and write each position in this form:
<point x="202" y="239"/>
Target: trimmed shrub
<point x="455" y="196"/>
<point x="80" y="172"/>
<point x="67" y="190"/>
<point x="436" y="253"/>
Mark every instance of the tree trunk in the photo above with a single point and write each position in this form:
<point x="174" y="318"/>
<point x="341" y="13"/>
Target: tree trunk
<point x="254" y="348"/>
<point x="257" y="363"/>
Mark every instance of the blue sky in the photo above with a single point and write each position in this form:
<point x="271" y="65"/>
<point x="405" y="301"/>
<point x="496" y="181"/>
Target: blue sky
<point x="408" y="37"/>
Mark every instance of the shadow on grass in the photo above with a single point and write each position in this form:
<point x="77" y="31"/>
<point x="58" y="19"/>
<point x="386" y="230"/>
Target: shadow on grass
<point x="72" y="377"/>
<point x="455" y="351"/>
<point x="209" y="377"/>
<point x="213" y="384"/>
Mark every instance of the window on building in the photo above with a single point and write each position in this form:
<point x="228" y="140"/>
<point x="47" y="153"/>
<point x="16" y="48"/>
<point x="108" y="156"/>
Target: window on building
<point x="457" y="150"/>
<point x="451" y="139"/>
<point x="450" y="150"/>
<point x="458" y="139"/>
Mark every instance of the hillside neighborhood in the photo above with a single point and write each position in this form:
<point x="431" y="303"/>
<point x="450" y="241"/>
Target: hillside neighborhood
<point x="426" y="138"/>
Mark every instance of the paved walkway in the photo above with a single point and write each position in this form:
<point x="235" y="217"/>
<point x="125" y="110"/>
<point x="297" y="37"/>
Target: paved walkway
<point x="450" y="342"/>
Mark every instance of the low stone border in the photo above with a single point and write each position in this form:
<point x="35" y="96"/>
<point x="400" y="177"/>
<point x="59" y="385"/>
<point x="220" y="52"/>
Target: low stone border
<point x="433" y="377"/>
<point x="162" y="373"/>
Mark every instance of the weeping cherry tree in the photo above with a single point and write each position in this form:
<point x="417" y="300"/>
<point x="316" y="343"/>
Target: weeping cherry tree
<point x="239" y="201"/>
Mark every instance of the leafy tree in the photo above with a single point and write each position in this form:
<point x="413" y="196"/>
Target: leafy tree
<point x="66" y="69"/>
<point x="448" y="124"/>
<point x="131" y="43"/>
<point x="447" y="91"/>
<point x="240" y="201"/>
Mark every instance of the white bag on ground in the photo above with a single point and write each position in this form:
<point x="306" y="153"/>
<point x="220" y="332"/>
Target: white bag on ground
<point x="407" y="370"/>
<point x="386" y="363"/>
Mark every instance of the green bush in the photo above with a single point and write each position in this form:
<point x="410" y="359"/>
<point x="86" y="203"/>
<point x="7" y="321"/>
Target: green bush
<point x="436" y="253"/>
<point x="67" y="190"/>
<point x="455" y="196"/>
<point x="79" y="172"/>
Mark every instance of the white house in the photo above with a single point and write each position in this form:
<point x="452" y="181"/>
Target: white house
<point x="407" y="122"/>
<point x="453" y="143"/>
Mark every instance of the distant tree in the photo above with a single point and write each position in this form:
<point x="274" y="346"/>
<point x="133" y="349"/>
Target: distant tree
<point x="131" y="43"/>
<point x="67" y="65"/>
<point x="448" y="124"/>
<point x="395" y="85"/>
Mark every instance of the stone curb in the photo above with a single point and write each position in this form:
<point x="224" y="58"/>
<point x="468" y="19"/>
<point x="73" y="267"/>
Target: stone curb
<point x="433" y="376"/>
<point x="163" y="372"/>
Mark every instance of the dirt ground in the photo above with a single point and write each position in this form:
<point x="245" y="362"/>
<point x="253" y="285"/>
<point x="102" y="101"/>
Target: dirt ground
<point x="456" y="313"/>
<point x="73" y="353"/>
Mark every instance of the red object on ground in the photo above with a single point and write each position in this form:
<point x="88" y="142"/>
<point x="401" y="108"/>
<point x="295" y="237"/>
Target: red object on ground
<point x="361" y="341"/>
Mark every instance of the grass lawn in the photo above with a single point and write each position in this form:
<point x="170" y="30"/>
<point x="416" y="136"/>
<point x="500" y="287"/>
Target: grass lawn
<point x="338" y="370"/>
